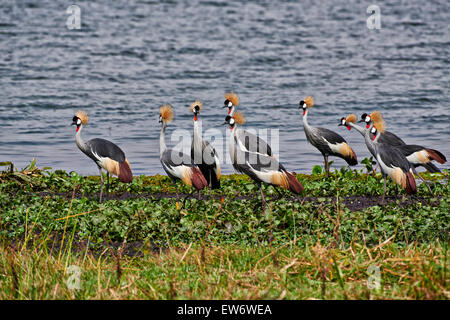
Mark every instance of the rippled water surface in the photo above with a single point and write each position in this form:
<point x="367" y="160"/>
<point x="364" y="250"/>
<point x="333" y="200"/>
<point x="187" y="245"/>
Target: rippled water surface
<point x="132" y="56"/>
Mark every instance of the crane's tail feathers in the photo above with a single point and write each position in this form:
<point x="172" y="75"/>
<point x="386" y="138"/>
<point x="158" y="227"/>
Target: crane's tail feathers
<point x="197" y="179"/>
<point x="436" y="155"/>
<point x="348" y="154"/>
<point x="294" y="185"/>
<point x="411" y="187"/>
<point x="287" y="181"/>
<point x="125" y="175"/>
<point x="120" y="169"/>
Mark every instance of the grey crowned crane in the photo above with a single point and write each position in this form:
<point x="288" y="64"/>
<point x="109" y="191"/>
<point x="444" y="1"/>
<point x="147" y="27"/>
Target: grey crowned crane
<point x="416" y="155"/>
<point x="326" y="141"/>
<point x="385" y="137"/>
<point x="177" y="165"/>
<point x="105" y="154"/>
<point x="392" y="162"/>
<point x="248" y="140"/>
<point x="203" y="153"/>
<point x="259" y="167"/>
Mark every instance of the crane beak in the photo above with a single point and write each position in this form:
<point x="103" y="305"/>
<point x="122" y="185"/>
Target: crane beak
<point x="360" y="121"/>
<point x="73" y="123"/>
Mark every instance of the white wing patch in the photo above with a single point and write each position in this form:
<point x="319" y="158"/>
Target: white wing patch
<point x="336" y="148"/>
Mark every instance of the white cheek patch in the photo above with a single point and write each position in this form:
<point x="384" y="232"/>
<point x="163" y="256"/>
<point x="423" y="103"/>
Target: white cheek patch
<point x="230" y="104"/>
<point x="367" y="119"/>
<point x="78" y="122"/>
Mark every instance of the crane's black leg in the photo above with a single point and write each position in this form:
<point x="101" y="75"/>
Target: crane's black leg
<point x="384" y="189"/>
<point x="176" y="193"/>
<point x="107" y="183"/>
<point x="326" y="164"/>
<point x="421" y="178"/>
<point x="262" y="197"/>
<point x="101" y="186"/>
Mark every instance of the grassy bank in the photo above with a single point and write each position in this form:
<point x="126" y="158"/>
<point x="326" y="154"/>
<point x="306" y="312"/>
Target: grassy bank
<point x="137" y="244"/>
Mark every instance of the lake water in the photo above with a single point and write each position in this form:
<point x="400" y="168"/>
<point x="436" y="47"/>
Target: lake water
<point x="129" y="57"/>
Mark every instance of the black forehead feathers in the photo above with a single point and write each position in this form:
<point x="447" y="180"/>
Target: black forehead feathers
<point x="363" y="116"/>
<point x="226" y="102"/>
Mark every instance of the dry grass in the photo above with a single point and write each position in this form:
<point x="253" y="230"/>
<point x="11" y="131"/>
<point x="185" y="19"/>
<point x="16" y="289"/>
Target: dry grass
<point x="227" y="272"/>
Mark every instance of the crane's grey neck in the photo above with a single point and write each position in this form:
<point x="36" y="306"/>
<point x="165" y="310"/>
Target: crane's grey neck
<point x="305" y="121"/>
<point x="80" y="142"/>
<point x="357" y="128"/>
<point x="369" y="142"/>
<point x="377" y="137"/>
<point x="162" y="141"/>
<point x="197" y="139"/>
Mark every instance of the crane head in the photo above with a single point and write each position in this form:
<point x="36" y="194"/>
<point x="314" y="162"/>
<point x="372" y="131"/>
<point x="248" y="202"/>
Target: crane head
<point x="343" y="122"/>
<point x="374" y="132"/>
<point x="195" y="107"/>
<point x="367" y="119"/>
<point x="165" y="113"/>
<point x="231" y="101"/>
<point x="308" y="102"/>
<point x="80" y="118"/>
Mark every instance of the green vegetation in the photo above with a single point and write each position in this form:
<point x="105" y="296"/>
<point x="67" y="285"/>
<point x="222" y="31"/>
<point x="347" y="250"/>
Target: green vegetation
<point x="137" y="244"/>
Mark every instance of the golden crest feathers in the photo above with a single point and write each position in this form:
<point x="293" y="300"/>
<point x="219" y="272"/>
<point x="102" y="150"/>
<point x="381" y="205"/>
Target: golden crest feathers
<point x="239" y="118"/>
<point x="378" y="121"/>
<point x="83" y="117"/>
<point x="196" y="103"/>
<point x="166" y="113"/>
<point x="233" y="97"/>
<point x="309" y="100"/>
<point x="351" y="118"/>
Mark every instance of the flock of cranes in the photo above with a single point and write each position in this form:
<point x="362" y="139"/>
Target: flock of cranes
<point x="252" y="156"/>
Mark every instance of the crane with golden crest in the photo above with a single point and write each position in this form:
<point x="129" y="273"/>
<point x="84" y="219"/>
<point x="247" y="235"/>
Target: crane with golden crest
<point x="203" y="153"/>
<point x="326" y="141"/>
<point x="104" y="153"/>
<point x="415" y="154"/>
<point x="259" y="167"/>
<point x="178" y="166"/>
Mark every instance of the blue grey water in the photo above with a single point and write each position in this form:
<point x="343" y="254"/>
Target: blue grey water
<point x="129" y="57"/>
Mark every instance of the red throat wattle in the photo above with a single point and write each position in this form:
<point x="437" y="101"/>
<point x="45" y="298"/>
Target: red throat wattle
<point x="367" y="126"/>
<point x="78" y="128"/>
<point x="195" y="117"/>
<point x="304" y="111"/>
<point x="374" y="136"/>
<point x="229" y="110"/>
<point x="349" y="128"/>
